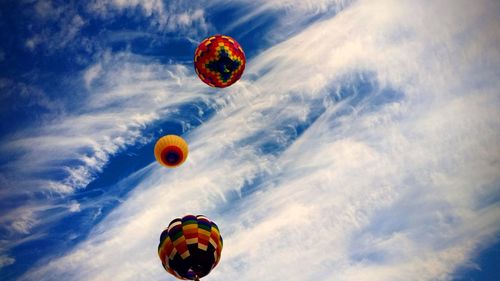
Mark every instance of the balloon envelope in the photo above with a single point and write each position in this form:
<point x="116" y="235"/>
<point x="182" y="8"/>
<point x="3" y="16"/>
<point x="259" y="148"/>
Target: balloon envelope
<point x="171" y="151"/>
<point x="190" y="247"/>
<point x="219" y="61"/>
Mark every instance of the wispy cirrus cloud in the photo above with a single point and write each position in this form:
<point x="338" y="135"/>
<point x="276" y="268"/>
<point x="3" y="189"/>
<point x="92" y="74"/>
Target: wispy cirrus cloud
<point x="59" y="25"/>
<point x="287" y="17"/>
<point x="383" y="156"/>
<point x="179" y="16"/>
<point x="122" y="98"/>
<point x="124" y="94"/>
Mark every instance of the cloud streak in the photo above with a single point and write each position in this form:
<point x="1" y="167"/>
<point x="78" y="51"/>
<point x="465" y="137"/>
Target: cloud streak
<point x="111" y="117"/>
<point x="124" y="94"/>
<point x="168" y="16"/>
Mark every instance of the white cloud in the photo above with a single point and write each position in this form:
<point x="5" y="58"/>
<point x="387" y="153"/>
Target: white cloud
<point x="17" y="94"/>
<point x="389" y="182"/>
<point x="149" y="6"/>
<point x="24" y="223"/>
<point x="56" y="28"/>
<point x="179" y="16"/>
<point x="91" y="74"/>
<point x="74" y="207"/>
<point x="70" y="32"/>
<point x="290" y="16"/>
<point x="6" y="260"/>
<point x="47" y="10"/>
<point x="32" y="42"/>
<point x="22" y="220"/>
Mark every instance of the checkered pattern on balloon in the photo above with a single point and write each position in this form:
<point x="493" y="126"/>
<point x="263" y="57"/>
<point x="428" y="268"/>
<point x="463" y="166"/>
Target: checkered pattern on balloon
<point x="219" y="61"/>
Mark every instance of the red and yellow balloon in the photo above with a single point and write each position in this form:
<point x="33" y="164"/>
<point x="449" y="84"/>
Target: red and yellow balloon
<point x="219" y="61"/>
<point x="171" y="151"/>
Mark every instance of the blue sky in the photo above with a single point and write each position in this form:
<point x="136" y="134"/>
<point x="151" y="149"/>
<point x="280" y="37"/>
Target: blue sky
<point x="361" y="142"/>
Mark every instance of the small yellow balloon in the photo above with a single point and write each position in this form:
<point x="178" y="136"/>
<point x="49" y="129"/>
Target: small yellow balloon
<point x="171" y="151"/>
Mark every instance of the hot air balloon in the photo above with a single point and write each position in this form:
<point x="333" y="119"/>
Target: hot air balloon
<point x="190" y="247"/>
<point x="171" y="151"/>
<point x="219" y="61"/>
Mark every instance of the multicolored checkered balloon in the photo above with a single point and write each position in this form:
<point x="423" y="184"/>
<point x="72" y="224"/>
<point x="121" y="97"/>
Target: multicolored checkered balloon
<point x="219" y="61"/>
<point x="190" y="247"/>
